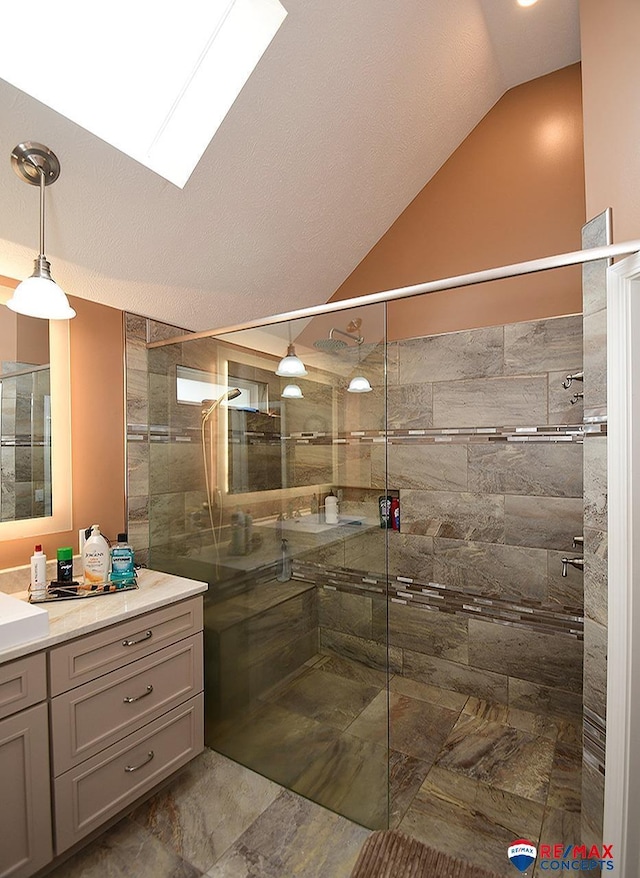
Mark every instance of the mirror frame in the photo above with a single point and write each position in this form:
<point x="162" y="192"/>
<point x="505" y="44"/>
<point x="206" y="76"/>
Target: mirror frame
<point x="60" y="377"/>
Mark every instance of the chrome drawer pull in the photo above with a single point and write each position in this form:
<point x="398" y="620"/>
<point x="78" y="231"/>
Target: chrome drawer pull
<point x="145" y="636"/>
<point x="136" y="767"/>
<point x="129" y="699"/>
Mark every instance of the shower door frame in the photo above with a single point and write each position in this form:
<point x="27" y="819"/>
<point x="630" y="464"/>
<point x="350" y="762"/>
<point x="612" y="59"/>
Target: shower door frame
<point x="622" y="779"/>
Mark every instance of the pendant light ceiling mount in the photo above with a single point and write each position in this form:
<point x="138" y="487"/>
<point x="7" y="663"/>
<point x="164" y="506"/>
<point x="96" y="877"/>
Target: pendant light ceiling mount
<point x="39" y="295"/>
<point x="31" y="161"/>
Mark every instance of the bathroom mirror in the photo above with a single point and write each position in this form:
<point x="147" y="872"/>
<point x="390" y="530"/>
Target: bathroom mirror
<point x="35" y="455"/>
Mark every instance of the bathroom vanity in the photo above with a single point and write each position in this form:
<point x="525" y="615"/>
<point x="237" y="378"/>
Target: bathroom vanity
<point x="96" y="714"/>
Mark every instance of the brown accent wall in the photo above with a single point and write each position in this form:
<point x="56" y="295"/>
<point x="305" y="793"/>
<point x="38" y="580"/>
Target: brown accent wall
<point x="512" y="191"/>
<point x="610" y="76"/>
<point x="97" y="431"/>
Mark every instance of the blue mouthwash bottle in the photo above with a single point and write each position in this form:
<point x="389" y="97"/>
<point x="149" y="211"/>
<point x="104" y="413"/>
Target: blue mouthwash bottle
<point x="122" y="570"/>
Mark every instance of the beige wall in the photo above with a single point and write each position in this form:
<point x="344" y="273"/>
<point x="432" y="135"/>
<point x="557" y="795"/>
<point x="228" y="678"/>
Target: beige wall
<point x="97" y="431"/>
<point x="611" y="77"/>
<point x="513" y="190"/>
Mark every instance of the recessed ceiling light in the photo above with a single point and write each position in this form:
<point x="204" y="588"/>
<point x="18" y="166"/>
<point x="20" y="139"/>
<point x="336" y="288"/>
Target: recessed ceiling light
<point x="526" y="2"/>
<point x="155" y="82"/>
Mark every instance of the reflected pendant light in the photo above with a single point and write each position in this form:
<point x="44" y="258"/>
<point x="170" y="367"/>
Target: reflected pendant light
<point x="359" y="384"/>
<point x="291" y="366"/>
<point x="292" y="391"/>
<point x="39" y="295"/>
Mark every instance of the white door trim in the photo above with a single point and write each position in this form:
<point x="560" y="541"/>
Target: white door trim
<point x="622" y="781"/>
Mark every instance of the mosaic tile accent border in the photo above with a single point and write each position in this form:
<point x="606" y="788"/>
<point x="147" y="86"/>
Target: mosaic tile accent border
<point x="532" y="615"/>
<point x="553" y="433"/>
<point x="594" y="741"/>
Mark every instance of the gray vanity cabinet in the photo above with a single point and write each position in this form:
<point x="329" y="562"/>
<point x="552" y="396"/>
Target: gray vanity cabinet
<point x="25" y="799"/>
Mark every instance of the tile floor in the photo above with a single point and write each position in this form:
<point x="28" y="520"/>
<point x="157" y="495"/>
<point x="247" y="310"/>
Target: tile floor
<point x="466" y="777"/>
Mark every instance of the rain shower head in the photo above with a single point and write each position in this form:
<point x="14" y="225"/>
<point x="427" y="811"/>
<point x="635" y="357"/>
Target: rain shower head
<point x="332" y="344"/>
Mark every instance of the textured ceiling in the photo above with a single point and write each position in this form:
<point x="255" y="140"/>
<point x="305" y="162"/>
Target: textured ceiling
<point x="352" y="109"/>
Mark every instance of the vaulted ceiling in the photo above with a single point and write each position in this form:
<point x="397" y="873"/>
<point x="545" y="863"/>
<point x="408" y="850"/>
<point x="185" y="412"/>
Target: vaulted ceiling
<point x="352" y="109"/>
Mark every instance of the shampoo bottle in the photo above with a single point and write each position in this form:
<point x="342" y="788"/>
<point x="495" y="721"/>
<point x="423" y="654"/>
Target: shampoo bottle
<point x="95" y="559"/>
<point x="331" y="509"/>
<point x="123" y="571"/>
<point x="38" y="586"/>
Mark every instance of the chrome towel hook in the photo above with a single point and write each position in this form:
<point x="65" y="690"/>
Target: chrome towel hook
<point x="568" y="381"/>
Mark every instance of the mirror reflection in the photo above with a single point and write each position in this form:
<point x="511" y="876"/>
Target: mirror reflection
<point x="25" y="417"/>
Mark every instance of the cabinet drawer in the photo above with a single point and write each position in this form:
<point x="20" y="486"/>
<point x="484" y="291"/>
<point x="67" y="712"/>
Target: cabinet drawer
<point x="22" y="683"/>
<point x="95" y="654"/>
<point x="91" y="717"/>
<point x="101" y="787"/>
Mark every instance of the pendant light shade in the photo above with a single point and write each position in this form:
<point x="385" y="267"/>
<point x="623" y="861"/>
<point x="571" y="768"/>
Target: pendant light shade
<point x="359" y="385"/>
<point x="39" y="295"/>
<point x="292" y="391"/>
<point x="291" y="366"/>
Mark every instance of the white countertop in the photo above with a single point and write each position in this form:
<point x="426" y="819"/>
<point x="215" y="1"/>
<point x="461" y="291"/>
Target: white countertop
<point x="73" y="618"/>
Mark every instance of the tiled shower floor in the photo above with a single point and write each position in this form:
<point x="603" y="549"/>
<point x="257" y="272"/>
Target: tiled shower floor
<point x="467" y="777"/>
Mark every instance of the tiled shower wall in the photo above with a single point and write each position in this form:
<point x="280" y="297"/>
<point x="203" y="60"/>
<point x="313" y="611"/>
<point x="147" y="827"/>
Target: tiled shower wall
<point x="596" y="233"/>
<point x="485" y="449"/>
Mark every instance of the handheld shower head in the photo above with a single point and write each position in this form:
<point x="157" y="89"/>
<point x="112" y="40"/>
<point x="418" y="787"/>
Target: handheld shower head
<point x="210" y="405"/>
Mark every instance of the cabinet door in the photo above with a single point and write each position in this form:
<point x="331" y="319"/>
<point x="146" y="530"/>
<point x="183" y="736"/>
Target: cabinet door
<point x="25" y="801"/>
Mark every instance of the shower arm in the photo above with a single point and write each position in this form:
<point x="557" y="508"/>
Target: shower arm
<point x="357" y="338"/>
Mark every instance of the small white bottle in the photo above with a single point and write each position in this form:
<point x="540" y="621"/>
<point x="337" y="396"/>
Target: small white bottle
<point x="96" y="557"/>
<point x="331" y="509"/>
<point x="38" y="586"/>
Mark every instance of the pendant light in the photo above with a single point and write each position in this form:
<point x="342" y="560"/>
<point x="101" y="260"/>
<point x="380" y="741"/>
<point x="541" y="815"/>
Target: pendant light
<point x="291" y="366"/>
<point x="39" y="295"/>
<point x="292" y="391"/>
<point x="359" y="384"/>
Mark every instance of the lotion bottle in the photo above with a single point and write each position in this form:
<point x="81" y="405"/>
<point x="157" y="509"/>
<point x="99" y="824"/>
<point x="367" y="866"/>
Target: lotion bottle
<point x="95" y="559"/>
<point x="38" y="586"/>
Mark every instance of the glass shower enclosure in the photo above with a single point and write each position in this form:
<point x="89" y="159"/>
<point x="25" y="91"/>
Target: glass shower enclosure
<point x="267" y="475"/>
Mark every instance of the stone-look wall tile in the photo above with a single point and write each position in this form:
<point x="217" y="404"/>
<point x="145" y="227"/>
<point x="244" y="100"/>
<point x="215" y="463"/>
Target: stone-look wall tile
<point x="595" y="233"/>
<point x="166" y="517"/>
<point x="410" y="555"/>
<point x="451" y="675"/>
<point x="595" y="577"/>
<point x="543" y="345"/>
<point x="369" y="652"/>
<point x="429" y="631"/>
<point x="451" y="356"/>
<point x="491" y="569"/>
<point x="349" y="613"/>
<point x="138" y="535"/>
<point x="561" y="409"/>
<point x="158" y="468"/>
<point x="490" y="402"/>
<point x="438" y="467"/>
<point x="594" y="285"/>
<point x="138" y="508"/>
<point x="353" y="465"/>
<point x="595" y="482"/>
<point x="136" y="353"/>
<point x="533" y="697"/>
<point x="313" y="465"/>
<point x="159" y="390"/>
<point x="366" y="551"/>
<point x="457" y="516"/>
<point x="592" y="805"/>
<point x="546" y="659"/>
<point x="163" y="361"/>
<point x="137" y="398"/>
<point x="391" y="353"/>
<point x="378" y="459"/>
<point x="595" y="667"/>
<point x="595" y="360"/>
<point x="361" y="411"/>
<point x="135" y="326"/>
<point x="313" y="413"/>
<point x="545" y="522"/>
<point x="552" y="469"/>
<point x="410" y="406"/>
<point x="159" y="331"/>
<point x="567" y="591"/>
<point x="137" y="467"/>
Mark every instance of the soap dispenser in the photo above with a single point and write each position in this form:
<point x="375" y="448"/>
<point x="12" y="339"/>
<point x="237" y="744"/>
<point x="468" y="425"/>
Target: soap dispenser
<point x="283" y="569"/>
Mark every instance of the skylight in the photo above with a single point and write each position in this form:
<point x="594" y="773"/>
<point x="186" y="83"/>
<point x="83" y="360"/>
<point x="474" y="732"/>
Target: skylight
<point x="153" y="80"/>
